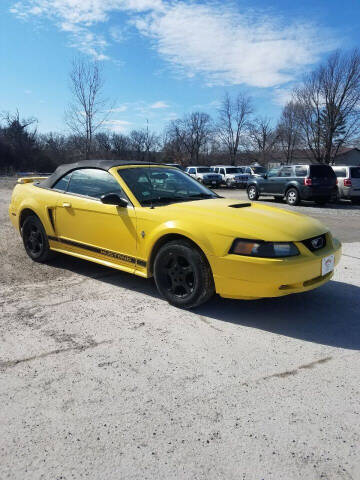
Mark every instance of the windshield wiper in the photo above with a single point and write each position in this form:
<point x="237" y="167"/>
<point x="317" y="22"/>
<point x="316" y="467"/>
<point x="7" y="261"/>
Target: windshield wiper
<point x="202" y="195"/>
<point x="150" y="201"/>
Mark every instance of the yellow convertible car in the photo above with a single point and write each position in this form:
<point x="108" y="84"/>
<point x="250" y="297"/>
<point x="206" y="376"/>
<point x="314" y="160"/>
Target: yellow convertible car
<point x="154" y="220"/>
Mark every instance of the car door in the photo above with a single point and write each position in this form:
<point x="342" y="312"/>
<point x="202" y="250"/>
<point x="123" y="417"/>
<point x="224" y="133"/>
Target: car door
<point x="192" y="172"/>
<point x="285" y="176"/>
<point x="222" y="173"/>
<point x="354" y="175"/>
<point x="271" y="184"/>
<point x="86" y="225"/>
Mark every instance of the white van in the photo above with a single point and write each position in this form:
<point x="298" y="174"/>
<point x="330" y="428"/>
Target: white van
<point x="348" y="180"/>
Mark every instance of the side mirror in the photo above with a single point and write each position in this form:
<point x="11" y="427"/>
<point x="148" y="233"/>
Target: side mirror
<point x="114" y="199"/>
<point x="265" y="176"/>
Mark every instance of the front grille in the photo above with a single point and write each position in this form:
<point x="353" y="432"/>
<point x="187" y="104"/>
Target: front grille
<point x="315" y="243"/>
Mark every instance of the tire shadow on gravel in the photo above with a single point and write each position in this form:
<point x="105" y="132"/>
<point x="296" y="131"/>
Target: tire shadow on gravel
<point x="327" y="316"/>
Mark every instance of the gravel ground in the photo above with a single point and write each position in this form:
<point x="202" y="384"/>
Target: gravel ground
<point x="102" y="379"/>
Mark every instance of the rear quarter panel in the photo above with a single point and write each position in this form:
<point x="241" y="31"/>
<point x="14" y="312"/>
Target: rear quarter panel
<point x="39" y="200"/>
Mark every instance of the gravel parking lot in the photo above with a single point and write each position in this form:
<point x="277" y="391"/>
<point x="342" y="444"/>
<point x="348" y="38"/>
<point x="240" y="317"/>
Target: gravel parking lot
<point x="102" y="379"/>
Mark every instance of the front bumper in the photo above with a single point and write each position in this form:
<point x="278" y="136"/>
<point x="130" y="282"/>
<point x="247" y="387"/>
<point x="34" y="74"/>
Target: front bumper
<point x="244" y="277"/>
<point x="214" y="183"/>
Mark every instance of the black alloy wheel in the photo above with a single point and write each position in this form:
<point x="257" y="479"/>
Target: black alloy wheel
<point x="35" y="240"/>
<point x="183" y="275"/>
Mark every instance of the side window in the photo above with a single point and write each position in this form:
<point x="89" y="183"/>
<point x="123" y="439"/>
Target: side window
<point x="222" y="171"/>
<point x="340" y="172"/>
<point x="355" y="172"/>
<point x="93" y="183"/>
<point x="301" y="171"/>
<point x="286" y="172"/>
<point x="247" y="170"/>
<point x="62" y="183"/>
<point x="192" y="170"/>
<point x="273" y="172"/>
<point x="216" y="170"/>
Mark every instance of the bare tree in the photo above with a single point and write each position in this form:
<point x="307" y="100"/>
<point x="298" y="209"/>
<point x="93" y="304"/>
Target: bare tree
<point x="88" y="109"/>
<point x="102" y="144"/>
<point x="263" y="138"/>
<point x="120" y="145"/>
<point x="329" y="101"/>
<point x="191" y="134"/>
<point x="288" y="131"/>
<point x="234" y="114"/>
<point x="143" y="142"/>
<point x="19" y="137"/>
<point x="174" y="149"/>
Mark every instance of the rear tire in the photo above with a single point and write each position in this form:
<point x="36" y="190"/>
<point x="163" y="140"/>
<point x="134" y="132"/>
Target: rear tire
<point x="252" y="193"/>
<point x="183" y="275"/>
<point x="292" y="197"/>
<point x="35" y="240"/>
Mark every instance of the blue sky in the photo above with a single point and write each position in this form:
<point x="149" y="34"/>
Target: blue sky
<point x="163" y="58"/>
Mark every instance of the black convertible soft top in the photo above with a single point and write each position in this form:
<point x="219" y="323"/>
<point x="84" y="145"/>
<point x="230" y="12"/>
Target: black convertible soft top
<point x="101" y="164"/>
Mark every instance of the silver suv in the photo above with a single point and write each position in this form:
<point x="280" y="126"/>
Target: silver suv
<point x="232" y="177"/>
<point x="204" y="175"/>
<point x="348" y="180"/>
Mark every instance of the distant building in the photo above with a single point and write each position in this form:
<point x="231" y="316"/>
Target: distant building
<point x="348" y="156"/>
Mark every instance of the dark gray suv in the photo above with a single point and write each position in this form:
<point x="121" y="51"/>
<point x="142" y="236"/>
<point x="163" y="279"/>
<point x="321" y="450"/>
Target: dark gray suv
<point x="295" y="183"/>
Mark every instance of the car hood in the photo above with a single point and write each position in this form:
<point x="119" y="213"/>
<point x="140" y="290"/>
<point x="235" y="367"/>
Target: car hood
<point x="229" y="217"/>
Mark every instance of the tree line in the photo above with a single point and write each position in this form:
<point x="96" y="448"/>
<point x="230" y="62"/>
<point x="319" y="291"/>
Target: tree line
<point x="322" y="116"/>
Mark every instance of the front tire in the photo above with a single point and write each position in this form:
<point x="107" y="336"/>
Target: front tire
<point x="183" y="275"/>
<point x="252" y="192"/>
<point x="35" y="240"/>
<point x="292" y="197"/>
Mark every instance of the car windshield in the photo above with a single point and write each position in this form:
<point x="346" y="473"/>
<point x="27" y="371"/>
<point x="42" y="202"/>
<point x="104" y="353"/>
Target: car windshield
<point x="204" y="170"/>
<point x="259" y="170"/>
<point x="233" y="170"/>
<point x="161" y="185"/>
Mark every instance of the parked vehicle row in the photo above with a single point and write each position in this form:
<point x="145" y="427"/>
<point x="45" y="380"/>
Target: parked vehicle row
<point x="320" y="183"/>
<point x="224" y="175"/>
<point x="292" y="183"/>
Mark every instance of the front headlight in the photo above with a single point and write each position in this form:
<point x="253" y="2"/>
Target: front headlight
<point x="259" y="248"/>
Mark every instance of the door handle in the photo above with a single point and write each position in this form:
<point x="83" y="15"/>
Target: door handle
<point x="66" y="205"/>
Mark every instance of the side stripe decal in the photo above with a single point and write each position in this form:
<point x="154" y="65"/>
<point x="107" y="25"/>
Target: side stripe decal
<point x="101" y="251"/>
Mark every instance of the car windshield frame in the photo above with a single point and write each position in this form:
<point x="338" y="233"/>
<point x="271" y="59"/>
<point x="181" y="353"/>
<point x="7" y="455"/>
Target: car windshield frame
<point x="148" y="191"/>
